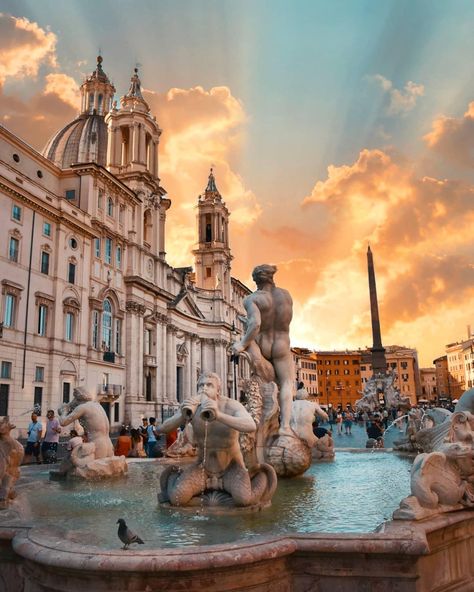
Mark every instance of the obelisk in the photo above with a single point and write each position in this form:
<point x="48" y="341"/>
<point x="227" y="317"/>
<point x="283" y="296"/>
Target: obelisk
<point x="379" y="362"/>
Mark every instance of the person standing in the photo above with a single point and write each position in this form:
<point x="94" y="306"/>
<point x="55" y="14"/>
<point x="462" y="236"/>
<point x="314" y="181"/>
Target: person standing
<point x="152" y="435"/>
<point x="339" y="422"/>
<point x="33" y="442"/>
<point x="142" y="429"/>
<point x="348" y="420"/>
<point x="49" y="446"/>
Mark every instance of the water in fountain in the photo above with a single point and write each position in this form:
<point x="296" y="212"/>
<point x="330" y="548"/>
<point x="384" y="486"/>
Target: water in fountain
<point x="367" y="486"/>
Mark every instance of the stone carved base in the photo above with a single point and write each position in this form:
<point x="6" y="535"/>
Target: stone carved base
<point x="102" y="468"/>
<point x="215" y="505"/>
<point x="323" y="450"/>
<point x="289" y="456"/>
<point x="411" y="509"/>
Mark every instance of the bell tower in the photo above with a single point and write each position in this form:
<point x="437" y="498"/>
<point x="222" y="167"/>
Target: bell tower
<point x="133" y="133"/>
<point x="212" y="256"/>
<point x="132" y="155"/>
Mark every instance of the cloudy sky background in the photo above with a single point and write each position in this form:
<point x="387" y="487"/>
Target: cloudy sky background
<point x="329" y="124"/>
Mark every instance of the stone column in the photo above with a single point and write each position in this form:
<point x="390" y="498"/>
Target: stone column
<point x="142" y="145"/>
<point x="171" y="364"/>
<point x="187" y="368"/>
<point x="134" y="349"/>
<point x="135" y="140"/>
<point x="155" y="159"/>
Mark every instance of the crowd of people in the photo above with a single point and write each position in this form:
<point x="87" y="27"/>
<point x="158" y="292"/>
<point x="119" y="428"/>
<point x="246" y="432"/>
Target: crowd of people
<point x="42" y="442"/>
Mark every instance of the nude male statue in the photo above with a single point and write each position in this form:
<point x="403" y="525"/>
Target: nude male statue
<point x="93" y="418"/>
<point x="267" y="340"/>
<point x="220" y="464"/>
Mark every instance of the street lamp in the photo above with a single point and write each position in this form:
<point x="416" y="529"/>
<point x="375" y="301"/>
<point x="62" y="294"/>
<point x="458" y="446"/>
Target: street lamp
<point x="235" y="360"/>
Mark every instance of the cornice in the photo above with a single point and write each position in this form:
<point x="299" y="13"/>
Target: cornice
<point x="57" y="215"/>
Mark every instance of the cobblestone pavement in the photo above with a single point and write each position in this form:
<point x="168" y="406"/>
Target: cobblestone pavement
<point x="358" y="437"/>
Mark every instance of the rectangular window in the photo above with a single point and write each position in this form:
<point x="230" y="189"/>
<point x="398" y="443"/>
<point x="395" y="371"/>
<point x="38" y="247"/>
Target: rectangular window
<point x="13" y="249"/>
<point x="118" y="257"/>
<point x="108" y="250"/>
<point x="39" y="374"/>
<point x="66" y="392"/>
<point x="69" y="326"/>
<point x="97" y="248"/>
<point x="47" y="228"/>
<point x="38" y="397"/>
<point x="117" y="412"/>
<point x="16" y="213"/>
<point x="99" y="199"/>
<point x="9" y="314"/>
<point x="70" y="194"/>
<point x="208" y="272"/>
<point x="4" y="392"/>
<point x="71" y="273"/>
<point x="110" y="206"/>
<point x="6" y="371"/>
<point x="118" y="336"/>
<point x="44" y="262"/>
<point x="95" y="329"/>
<point x="42" y="319"/>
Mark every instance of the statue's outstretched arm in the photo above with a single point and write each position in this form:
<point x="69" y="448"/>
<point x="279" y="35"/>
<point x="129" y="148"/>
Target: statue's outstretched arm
<point x="75" y="414"/>
<point x="171" y="423"/>
<point x="240" y="420"/>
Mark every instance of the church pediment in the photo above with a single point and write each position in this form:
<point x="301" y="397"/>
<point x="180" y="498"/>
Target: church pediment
<point x="185" y="304"/>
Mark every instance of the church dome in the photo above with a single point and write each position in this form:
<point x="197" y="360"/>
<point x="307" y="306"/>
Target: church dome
<point x="85" y="138"/>
<point x="82" y="140"/>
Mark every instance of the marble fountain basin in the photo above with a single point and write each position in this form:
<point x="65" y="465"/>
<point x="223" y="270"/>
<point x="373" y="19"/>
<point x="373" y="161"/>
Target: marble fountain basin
<point x="329" y="530"/>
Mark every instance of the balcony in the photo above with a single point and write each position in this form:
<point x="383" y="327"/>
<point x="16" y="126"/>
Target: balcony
<point x="149" y="361"/>
<point x="109" y="357"/>
<point x="109" y="391"/>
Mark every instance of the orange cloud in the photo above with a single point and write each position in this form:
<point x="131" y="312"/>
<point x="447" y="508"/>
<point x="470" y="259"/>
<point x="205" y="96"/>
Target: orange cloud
<point x="453" y="137"/>
<point x="24" y="46"/>
<point x="421" y="233"/>
<point x="201" y="129"/>
<point x="65" y="87"/>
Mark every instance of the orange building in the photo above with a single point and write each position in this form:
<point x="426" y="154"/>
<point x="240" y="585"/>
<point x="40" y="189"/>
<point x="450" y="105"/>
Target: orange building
<point x="338" y="377"/>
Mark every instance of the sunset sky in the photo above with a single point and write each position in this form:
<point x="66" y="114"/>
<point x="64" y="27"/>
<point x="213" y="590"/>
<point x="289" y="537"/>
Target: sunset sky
<point x="330" y="125"/>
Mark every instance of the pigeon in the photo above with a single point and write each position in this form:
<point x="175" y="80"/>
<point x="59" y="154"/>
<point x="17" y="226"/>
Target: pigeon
<point x="126" y="535"/>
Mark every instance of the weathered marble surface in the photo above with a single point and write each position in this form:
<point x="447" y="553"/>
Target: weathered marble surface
<point x="11" y="456"/>
<point x="219" y="477"/>
<point x="428" y="556"/>
<point x="95" y="458"/>
<point x="381" y="386"/>
<point x="324" y="449"/>
<point x="443" y="480"/>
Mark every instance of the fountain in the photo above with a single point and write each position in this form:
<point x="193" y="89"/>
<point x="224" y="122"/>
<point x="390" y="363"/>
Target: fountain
<point x="95" y="458"/>
<point x="318" y="534"/>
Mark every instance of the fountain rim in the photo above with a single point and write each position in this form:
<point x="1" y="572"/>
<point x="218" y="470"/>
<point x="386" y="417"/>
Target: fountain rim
<point x="45" y="546"/>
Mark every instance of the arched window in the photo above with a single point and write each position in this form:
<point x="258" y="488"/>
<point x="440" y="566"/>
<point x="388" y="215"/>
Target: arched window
<point x="99" y="104"/>
<point x="107" y="325"/>
<point x="91" y="102"/>
<point x="110" y="206"/>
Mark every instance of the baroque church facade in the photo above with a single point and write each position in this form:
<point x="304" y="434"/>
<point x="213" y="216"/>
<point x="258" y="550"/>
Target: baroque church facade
<point x="88" y="298"/>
